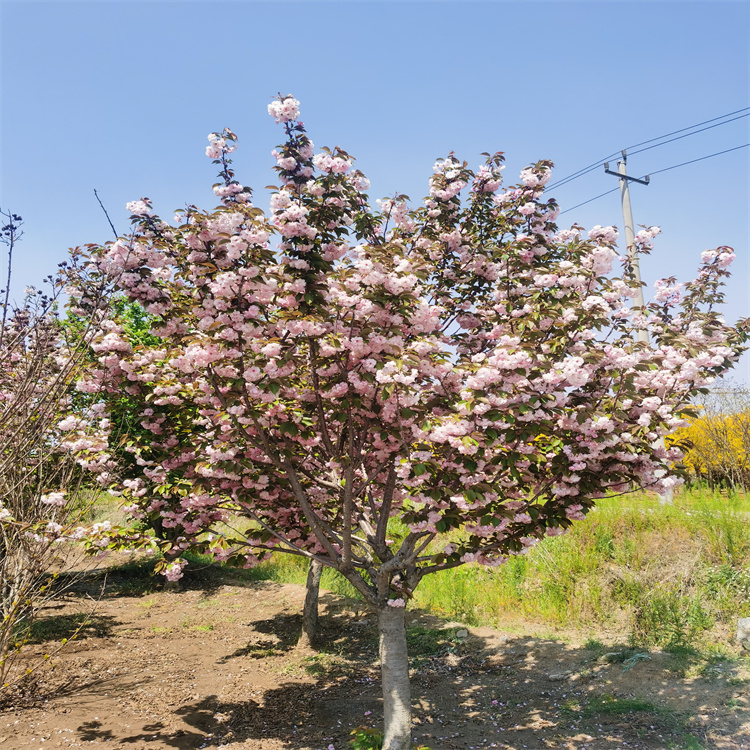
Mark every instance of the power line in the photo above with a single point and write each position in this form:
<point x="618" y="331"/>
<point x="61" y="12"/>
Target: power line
<point x="597" y="164"/>
<point x="601" y="195"/>
<point x="580" y="172"/>
<point x="630" y="153"/>
<point x="659" y="171"/>
<point x="697" y="125"/>
<point x="692" y="161"/>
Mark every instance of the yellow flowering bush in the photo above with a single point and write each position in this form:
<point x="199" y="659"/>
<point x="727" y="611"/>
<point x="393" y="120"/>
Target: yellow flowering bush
<point x="720" y="439"/>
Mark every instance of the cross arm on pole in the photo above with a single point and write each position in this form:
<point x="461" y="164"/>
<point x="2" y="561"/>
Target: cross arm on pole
<point x="643" y="181"/>
<point x="622" y="174"/>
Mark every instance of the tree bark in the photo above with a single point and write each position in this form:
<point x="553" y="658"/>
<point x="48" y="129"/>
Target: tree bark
<point x="310" y="609"/>
<point x="394" y="667"/>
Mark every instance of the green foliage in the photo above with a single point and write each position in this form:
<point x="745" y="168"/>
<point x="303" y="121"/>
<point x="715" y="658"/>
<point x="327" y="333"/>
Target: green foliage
<point x="366" y="738"/>
<point x="727" y="587"/>
<point x="135" y="321"/>
<point x="664" y="616"/>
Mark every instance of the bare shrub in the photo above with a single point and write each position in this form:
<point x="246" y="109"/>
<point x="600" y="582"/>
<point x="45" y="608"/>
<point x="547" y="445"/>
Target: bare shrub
<point x="42" y="491"/>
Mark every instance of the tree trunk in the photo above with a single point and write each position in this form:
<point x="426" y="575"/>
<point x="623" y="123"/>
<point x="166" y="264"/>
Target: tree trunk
<point x="310" y="609"/>
<point x="394" y="667"/>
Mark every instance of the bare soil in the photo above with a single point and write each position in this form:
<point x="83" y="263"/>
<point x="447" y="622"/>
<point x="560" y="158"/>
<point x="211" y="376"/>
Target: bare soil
<point x="214" y="664"/>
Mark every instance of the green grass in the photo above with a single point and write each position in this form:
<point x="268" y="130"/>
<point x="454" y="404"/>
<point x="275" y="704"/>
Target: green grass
<point x="598" y="707"/>
<point x="670" y="576"/>
<point x="62" y="628"/>
<point x="609" y="705"/>
<point x="57" y="628"/>
<point x="428" y="641"/>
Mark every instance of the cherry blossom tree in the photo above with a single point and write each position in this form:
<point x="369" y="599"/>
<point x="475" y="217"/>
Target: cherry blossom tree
<point x="391" y="391"/>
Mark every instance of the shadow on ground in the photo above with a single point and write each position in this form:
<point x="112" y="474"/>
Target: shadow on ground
<point x="480" y="691"/>
<point x="152" y="674"/>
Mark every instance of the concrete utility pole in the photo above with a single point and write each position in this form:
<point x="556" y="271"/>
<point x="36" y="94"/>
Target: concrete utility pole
<point x="627" y="218"/>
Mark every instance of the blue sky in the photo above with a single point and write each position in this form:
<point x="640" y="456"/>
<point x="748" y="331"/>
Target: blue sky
<point x="119" y="96"/>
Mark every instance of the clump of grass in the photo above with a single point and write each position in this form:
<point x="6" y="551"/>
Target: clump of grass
<point x="666" y="617"/>
<point x="63" y="627"/>
<point x="428" y="641"/>
<point x="608" y="704"/>
<point x="594" y="644"/>
<point x="319" y="665"/>
<point x="598" y="706"/>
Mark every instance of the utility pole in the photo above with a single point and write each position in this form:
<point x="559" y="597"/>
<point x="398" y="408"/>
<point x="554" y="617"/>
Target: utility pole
<point x="627" y="218"/>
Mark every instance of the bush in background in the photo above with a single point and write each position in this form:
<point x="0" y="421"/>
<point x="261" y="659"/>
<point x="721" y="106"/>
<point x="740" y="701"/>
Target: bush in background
<point x="720" y="439"/>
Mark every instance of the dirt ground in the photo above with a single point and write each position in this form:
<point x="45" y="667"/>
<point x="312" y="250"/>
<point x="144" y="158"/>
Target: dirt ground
<point x="214" y="665"/>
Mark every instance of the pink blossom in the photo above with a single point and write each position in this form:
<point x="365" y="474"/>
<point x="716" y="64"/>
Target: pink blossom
<point x="603" y="234"/>
<point x="174" y="570"/>
<point x="532" y="177"/>
<point x="139" y="208"/>
<point x="53" y="498"/>
<point x="285" y="109"/>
